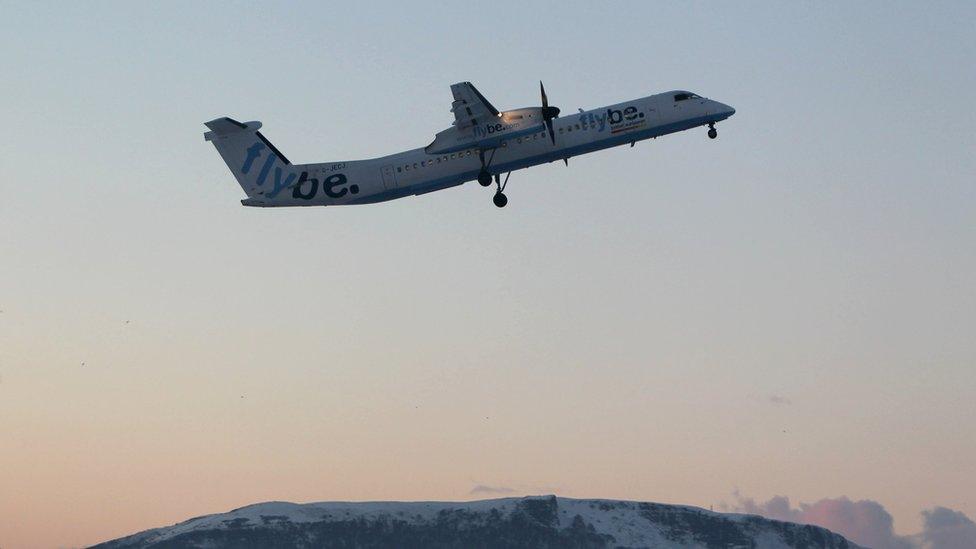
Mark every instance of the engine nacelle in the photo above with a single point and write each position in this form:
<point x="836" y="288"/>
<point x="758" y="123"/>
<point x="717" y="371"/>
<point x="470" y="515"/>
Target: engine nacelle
<point x="488" y="133"/>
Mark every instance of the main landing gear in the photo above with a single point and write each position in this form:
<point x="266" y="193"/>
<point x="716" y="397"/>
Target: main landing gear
<point x="484" y="177"/>
<point x="500" y="199"/>
<point x="712" y="132"/>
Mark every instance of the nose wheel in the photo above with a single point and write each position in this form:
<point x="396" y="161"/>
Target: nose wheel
<point x="712" y="132"/>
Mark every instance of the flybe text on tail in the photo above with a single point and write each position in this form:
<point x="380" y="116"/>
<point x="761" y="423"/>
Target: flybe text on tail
<point x="306" y="188"/>
<point x="253" y="153"/>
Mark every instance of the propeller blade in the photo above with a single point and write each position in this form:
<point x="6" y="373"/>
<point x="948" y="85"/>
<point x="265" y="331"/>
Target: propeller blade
<point x="548" y="113"/>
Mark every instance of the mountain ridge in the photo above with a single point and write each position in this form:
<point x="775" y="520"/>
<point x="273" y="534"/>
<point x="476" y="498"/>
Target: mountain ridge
<point x="513" y="522"/>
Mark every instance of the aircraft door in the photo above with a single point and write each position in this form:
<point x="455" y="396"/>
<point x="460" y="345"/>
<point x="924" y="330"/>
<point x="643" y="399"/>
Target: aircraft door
<point x="389" y="177"/>
<point x="669" y="109"/>
<point x="653" y="116"/>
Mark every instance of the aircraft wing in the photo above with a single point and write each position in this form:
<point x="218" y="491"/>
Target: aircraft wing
<point x="470" y="107"/>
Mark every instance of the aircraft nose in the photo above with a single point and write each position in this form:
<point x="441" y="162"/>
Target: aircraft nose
<point x="726" y="110"/>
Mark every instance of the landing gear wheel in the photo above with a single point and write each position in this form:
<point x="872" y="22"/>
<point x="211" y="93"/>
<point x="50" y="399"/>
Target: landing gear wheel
<point x="500" y="200"/>
<point x="484" y="178"/>
<point x="712" y="134"/>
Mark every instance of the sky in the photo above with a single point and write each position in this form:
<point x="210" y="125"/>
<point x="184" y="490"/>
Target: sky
<point x="786" y="311"/>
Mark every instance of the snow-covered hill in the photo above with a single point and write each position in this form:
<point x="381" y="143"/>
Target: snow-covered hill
<point x="544" y="521"/>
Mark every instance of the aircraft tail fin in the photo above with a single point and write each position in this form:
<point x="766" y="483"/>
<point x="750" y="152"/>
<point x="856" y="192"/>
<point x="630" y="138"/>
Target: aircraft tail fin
<point x="248" y="154"/>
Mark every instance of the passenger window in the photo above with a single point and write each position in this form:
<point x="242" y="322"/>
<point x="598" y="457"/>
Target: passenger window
<point x="415" y="165"/>
<point x="399" y="169"/>
<point x="577" y="126"/>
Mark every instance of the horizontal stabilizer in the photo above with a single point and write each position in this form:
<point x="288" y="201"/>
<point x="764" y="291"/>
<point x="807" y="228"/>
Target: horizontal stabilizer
<point x="226" y="126"/>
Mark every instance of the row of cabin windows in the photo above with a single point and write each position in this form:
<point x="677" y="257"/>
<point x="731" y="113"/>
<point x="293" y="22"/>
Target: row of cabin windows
<point x="436" y="160"/>
<point x="520" y="140"/>
<point x="564" y="129"/>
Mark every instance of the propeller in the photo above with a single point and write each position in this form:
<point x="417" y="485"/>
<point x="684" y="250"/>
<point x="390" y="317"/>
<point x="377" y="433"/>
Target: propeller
<point x="548" y="113"/>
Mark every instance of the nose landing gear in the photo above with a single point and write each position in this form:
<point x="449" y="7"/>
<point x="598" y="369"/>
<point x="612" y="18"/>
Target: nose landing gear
<point x="712" y="133"/>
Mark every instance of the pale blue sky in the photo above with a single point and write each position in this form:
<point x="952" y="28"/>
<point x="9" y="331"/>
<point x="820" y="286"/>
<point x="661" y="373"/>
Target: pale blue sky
<point x="617" y="331"/>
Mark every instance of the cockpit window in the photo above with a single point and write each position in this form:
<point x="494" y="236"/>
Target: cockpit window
<point x="683" y="96"/>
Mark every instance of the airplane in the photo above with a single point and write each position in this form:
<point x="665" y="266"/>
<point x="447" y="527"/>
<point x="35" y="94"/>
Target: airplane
<point x="482" y="144"/>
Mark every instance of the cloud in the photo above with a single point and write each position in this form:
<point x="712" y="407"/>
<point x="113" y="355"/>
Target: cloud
<point x="779" y="400"/>
<point x="866" y="522"/>
<point x="947" y="529"/>
<point x="482" y="489"/>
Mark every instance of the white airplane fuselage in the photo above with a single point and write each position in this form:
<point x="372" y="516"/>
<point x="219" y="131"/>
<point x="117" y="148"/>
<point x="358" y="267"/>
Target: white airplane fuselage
<point x="413" y="172"/>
